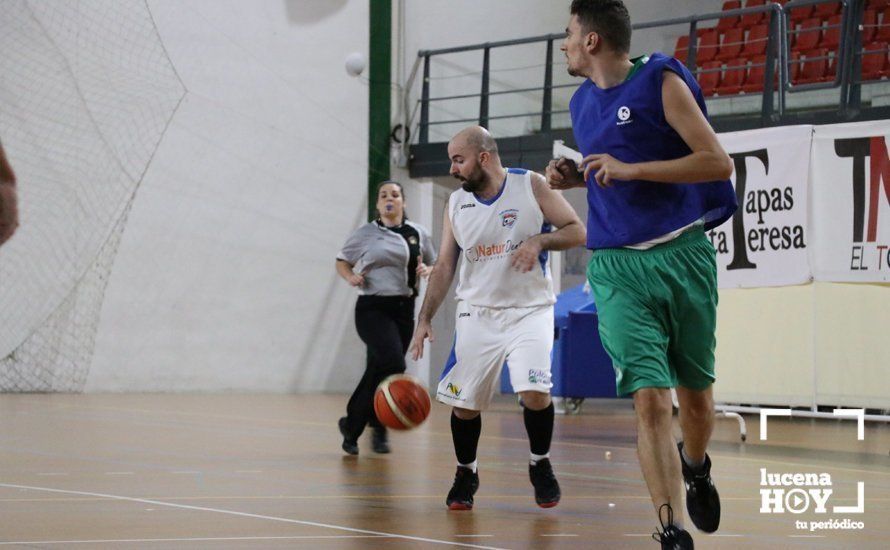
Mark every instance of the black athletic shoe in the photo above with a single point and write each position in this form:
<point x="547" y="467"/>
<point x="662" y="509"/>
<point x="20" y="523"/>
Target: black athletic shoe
<point x="379" y="441"/>
<point x="350" y="443"/>
<point x="672" y="537"/>
<point x="547" y="492"/>
<point x="702" y="500"/>
<point x="460" y="497"/>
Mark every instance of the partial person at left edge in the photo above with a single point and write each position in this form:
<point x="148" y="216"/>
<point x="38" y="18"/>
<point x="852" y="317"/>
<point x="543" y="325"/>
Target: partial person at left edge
<point x="385" y="260"/>
<point x="9" y="214"/>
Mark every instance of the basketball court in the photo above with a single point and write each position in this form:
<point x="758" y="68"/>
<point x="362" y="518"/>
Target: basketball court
<point x="176" y="346"/>
<point x="239" y="471"/>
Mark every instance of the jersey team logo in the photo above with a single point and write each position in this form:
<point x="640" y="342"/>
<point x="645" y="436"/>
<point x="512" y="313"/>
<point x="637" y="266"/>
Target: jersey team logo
<point x="508" y="217"/>
<point x="623" y="113"/>
<point x="412" y="239"/>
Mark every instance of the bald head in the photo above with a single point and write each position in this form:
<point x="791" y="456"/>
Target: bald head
<point x="476" y="139"/>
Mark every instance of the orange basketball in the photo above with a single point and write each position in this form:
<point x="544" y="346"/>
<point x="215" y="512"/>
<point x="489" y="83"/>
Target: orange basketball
<point x="401" y="402"/>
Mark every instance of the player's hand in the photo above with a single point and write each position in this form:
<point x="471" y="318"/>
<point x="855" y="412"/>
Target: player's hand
<point x="525" y="258"/>
<point x="357" y="280"/>
<point x="423" y="270"/>
<point x="423" y="331"/>
<point x="563" y="174"/>
<point x="606" y="168"/>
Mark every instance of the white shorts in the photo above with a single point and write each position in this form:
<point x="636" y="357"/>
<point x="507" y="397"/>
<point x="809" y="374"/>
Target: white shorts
<point x="485" y="338"/>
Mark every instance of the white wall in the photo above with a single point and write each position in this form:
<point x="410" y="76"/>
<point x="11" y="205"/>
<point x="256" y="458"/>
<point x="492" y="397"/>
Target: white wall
<point x="225" y="277"/>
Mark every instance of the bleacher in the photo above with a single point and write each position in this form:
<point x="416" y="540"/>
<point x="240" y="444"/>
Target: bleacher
<point x="730" y="57"/>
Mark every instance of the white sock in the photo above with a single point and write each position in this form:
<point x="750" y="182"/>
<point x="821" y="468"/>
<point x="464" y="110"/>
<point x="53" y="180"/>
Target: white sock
<point x="695" y="465"/>
<point x="533" y="460"/>
<point x="471" y="465"/>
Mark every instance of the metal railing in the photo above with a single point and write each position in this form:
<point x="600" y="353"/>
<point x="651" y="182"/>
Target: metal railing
<point x="847" y="64"/>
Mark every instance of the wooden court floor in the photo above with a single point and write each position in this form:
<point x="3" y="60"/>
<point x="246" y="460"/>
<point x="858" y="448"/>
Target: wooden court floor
<point x="245" y="471"/>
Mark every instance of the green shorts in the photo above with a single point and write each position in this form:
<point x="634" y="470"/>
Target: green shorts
<point x="658" y="312"/>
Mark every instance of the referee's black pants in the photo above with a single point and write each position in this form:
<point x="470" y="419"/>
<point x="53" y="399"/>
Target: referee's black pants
<point x="385" y="324"/>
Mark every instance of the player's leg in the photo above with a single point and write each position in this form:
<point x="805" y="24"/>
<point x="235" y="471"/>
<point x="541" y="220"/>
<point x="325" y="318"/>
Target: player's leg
<point x="528" y="361"/>
<point x="467" y="384"/>
<point x="466" y="427"/>
<point x="692" y="272"/>
<point x="657" y="450"/>
<point x="630" y="301"/>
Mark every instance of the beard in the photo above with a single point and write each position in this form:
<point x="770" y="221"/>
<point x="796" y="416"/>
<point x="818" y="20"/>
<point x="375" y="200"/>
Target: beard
<point x="473" y="183"/>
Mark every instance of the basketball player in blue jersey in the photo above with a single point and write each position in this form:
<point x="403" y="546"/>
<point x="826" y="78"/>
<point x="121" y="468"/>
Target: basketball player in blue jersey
<point x="657" y="179"/>
<point x="499" y="227"/>
<point x="9" y="219"/>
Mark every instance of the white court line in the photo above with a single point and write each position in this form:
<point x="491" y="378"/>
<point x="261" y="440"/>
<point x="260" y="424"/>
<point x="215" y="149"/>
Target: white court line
<point x="52" y="473"/>
<point x="248" y="471"/>
<point x="807" y="536"/>
<point x="473" y="536"/>
<point x="561" y="535"/>
<point x="247" y="515"/>
<point x="185" y="472"/>
<point x="195" y="539"/>
<point x="119" y="473"/>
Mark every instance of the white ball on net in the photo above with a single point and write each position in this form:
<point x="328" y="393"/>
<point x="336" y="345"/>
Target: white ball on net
<point x="355" y="63"/>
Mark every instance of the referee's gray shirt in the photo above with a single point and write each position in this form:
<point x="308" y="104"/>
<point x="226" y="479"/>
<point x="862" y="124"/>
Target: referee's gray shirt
<point x="381" y="255"/>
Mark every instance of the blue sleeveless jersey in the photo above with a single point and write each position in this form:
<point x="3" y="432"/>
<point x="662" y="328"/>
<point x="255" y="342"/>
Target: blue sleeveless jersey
<point x="627" y="121"/>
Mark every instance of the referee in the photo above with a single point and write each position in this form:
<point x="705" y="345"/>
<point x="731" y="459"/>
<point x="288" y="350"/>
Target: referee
<point x="384" y="259"/>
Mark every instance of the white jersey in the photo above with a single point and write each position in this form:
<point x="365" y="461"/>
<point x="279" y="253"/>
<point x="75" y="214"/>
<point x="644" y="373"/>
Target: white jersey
<point x="489" y="233"/>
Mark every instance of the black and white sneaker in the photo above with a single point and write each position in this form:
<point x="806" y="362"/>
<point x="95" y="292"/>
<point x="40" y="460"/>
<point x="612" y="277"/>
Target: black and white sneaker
<point x="547" y="493"/>
<point x="672" y="537"/>
<point x="460" y="497"/>
<point x="702" y="499"/>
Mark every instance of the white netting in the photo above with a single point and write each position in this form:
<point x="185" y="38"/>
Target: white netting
<point x="86" y="93"/>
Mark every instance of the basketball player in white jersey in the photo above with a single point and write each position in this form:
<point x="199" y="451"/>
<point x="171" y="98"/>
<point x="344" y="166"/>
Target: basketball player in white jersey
<point x="499" y="226"/>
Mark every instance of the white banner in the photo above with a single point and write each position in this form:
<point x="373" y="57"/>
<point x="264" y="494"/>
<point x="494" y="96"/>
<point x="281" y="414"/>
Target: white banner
<point x="851" y="202"/>
<point x="765" y="243"/>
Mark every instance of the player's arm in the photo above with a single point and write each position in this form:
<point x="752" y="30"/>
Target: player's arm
<point x="707" y="162"/>
<point x="437" y="287"/>
<point x="345" y="270"/>
<point x="570" y="232"/>
<point x="9" y="218"/>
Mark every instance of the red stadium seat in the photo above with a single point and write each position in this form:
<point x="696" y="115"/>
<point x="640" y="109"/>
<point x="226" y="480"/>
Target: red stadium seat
<point x="824" y="11"/>
<point x="727" y="23"/>
<point x="752" y="19"/>
<point x="801" y="14"/>
<point x="709" y="81"/>
<point x="754" y="82"/>
<point x="875" y="64"/>
<point x="832" y="37"/>
<point x="707" y="46"/>
<point x="814" y="67"/>
<point x="681" y="50"/>
<point x="877" y="4"/>
<point x="733" y="41"/>
<point x="794" y="66"/>
<point x="883" y="34"/>
<point x="756" y="42"/>
<point x="733" y="77"/>
<point x="831" y="73"/>
<point x="869" y="25"/>
<point x="809" y="35"/>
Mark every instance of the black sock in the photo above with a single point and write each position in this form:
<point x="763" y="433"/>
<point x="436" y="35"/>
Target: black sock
<point x="539" y="425"/>
<point x="465" y="434"/>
